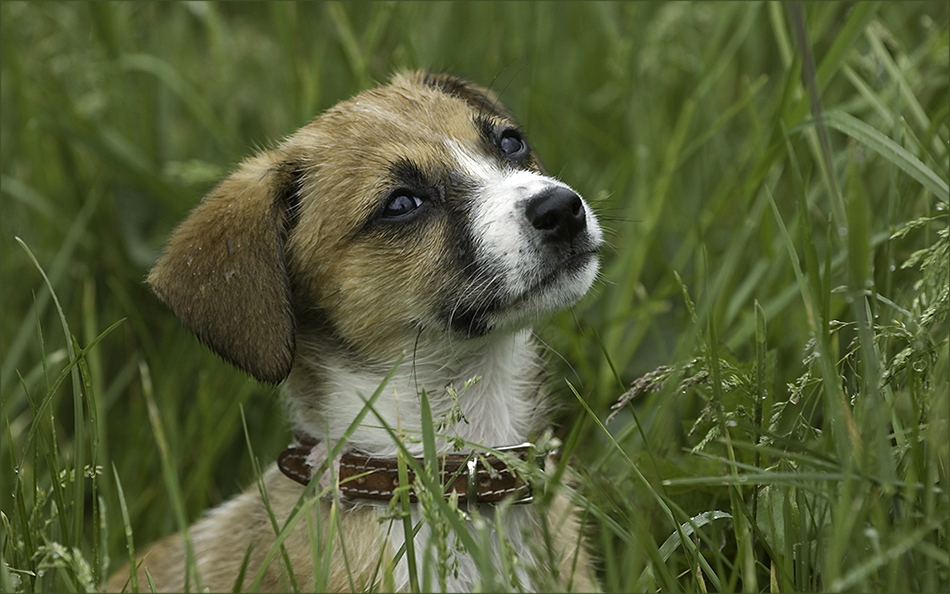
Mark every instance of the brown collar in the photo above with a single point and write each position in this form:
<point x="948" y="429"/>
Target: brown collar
<point x="481" y="478"/>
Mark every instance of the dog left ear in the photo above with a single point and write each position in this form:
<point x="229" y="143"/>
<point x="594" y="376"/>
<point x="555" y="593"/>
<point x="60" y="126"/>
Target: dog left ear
<point x="223" y="271"/>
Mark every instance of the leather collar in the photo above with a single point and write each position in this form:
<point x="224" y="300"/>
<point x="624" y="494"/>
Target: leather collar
<point x="475" y="477"/>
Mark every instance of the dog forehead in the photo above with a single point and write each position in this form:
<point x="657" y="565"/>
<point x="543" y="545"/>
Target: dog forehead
<point x="355" y="144"/>
<point x="413" y="115"/>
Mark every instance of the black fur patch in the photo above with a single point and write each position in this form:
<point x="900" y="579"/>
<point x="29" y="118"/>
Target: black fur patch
<point x="288" y="186"/>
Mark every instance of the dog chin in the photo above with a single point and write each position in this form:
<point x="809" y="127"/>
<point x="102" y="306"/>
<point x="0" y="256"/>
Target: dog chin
<point x="554" y="292"/>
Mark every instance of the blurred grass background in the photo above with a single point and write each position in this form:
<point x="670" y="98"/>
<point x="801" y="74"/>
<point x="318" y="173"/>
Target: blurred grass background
<point x="788" y="430"/>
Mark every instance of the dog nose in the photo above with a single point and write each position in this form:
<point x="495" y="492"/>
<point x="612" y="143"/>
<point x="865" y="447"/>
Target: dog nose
<point x="558" y="213"/>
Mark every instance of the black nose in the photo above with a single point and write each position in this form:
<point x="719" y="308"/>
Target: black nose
<point x="558" y="213"/>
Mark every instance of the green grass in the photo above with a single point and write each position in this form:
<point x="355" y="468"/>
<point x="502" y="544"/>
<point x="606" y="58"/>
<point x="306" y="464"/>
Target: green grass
<point x="772" y="314"/>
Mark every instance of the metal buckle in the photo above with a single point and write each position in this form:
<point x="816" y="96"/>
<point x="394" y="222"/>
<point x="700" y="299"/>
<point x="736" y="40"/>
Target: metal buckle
<point x="471" y="465"/>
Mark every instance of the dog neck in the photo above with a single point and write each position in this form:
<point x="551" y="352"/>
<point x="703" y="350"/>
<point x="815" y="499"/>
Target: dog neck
<point x="483" y="391"/>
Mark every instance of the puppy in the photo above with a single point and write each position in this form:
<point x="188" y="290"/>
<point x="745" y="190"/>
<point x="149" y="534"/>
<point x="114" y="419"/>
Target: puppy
<point x="397" y="247"/>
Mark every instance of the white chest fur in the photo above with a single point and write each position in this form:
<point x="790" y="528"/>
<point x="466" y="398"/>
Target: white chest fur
<point x="483" y="394"/>
<point x="480" y="394"/>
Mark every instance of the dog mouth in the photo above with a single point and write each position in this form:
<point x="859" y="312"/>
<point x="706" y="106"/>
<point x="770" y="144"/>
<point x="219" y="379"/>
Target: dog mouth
<point x="565" y="282"/>
<point x="561" y="273"/>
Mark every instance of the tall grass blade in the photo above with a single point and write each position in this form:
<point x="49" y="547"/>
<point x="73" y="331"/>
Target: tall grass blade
<point x="192" y="576"/>
<point x="127" y="525"/>
<point x="891" y="151"/>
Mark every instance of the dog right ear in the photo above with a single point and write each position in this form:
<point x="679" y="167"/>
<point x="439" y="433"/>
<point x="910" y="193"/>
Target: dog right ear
<point x="223" y="271"/>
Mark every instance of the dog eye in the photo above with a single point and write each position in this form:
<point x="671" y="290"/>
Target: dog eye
<point x="401" y="204"/>
<point x="512" y="144"/>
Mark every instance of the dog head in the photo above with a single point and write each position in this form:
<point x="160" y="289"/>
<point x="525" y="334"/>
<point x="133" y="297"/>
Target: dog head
<point x="412" y="211"/>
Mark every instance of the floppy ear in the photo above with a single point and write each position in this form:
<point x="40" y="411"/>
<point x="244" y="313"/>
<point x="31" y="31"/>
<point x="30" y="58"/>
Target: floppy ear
<point x="223" y="271"/>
